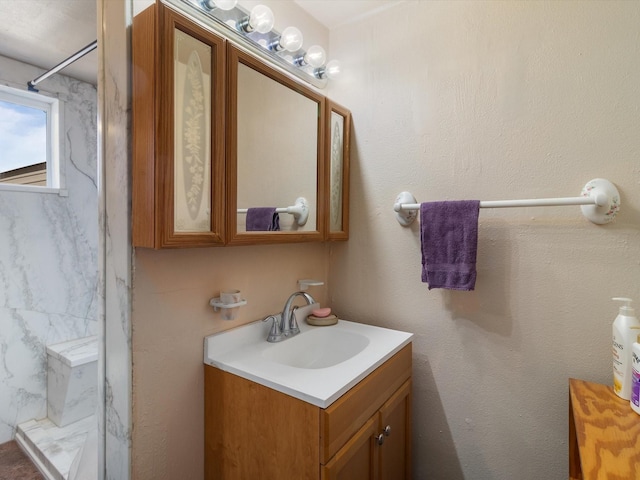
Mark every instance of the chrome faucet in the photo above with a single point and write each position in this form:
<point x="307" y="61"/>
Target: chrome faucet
<point x="285" y="325"/>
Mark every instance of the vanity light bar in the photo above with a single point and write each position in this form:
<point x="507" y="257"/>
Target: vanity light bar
<point x="234" y="24"/>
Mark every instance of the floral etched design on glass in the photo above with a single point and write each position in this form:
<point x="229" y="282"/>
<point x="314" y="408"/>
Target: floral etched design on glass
<point x="193" y="125"/>
<point x="335" y="203"/>
<point x="192" y="92"/>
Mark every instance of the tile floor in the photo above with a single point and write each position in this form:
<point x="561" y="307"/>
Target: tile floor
<point x="14" y="464"/>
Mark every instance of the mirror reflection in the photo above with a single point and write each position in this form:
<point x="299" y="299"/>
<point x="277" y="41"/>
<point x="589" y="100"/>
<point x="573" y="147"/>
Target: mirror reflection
<point x="277" y="155"/>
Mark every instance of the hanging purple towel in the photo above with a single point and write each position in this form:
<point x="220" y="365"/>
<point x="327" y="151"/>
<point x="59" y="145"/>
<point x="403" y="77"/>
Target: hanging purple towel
<point x="449" y="236"/>
<point x="263" y="219"/>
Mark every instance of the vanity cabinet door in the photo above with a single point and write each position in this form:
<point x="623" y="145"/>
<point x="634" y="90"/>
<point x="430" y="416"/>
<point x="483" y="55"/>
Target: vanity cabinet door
<point x="178" y="131"/>
<point x="357" y="459"/>
<point x="395" y="426"/>
<point x="381" y="449"/>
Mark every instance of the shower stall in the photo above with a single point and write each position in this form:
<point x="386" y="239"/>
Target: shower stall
<point x="49" y="276"/>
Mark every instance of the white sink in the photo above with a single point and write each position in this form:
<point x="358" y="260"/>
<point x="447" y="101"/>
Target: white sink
<point x="318" y="365"/>
<point x="318" y="348"/>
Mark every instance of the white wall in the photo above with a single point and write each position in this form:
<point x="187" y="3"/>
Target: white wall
<point x="493" y="100"/>
<point x="48" y="255"/>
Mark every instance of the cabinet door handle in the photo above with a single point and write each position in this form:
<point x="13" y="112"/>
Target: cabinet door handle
<point x="380" y="439"/>
<point x="387" y="430"/>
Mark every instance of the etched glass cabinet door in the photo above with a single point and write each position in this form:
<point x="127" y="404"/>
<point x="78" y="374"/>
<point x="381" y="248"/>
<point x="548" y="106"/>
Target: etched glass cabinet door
<point x="338" y="125"/>
<point x="180" y="76"/>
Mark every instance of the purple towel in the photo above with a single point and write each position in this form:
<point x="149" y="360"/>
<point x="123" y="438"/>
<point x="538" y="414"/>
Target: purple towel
<point x="449" y="236"/>
<point x="263" y="219"/>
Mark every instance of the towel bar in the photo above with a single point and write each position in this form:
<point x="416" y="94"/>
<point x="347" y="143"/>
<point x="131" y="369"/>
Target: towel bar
<point x="300" y="210"/>
<point x="599" y="199"/>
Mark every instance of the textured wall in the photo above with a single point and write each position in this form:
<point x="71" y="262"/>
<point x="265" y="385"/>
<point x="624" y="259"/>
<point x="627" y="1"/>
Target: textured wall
<point x="493" y="100"/>
<point x="48" y="255"/>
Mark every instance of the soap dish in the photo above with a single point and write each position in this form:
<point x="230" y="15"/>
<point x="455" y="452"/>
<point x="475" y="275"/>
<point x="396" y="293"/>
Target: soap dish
<point x="322" y="321"/>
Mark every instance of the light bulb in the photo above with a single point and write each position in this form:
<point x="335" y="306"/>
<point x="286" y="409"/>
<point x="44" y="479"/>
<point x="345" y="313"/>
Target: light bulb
<point x="315" y="56"/>
<point x="291" y="39"/>
<point x="225" y="4"/>
<point x="259" y="20"/>
<point x="332" y="70"/>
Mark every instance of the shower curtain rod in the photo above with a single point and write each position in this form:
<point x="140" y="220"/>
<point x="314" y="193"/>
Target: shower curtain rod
<point x="76" y="56"/>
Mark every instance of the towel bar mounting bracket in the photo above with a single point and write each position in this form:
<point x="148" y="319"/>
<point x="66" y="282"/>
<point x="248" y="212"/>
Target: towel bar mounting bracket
<point x="405" y="217"/>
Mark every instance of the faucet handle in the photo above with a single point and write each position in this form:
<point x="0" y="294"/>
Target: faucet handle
<point x="293" y="323"/>
<point x="275" y="335"/>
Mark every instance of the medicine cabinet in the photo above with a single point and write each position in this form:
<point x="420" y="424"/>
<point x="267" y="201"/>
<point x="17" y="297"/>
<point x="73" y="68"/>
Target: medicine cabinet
<point x="217" y="131"/>
<point x="178" y="131"/>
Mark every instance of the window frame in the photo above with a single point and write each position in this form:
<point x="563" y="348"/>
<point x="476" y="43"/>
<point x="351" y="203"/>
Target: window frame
<point x="51" y="106"/>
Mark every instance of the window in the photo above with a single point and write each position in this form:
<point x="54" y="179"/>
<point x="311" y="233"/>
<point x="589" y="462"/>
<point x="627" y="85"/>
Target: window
<point x="29" y="138"/>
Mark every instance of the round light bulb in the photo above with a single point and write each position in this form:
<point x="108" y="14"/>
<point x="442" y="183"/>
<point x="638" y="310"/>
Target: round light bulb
<point x="225" y="4"/>
<point x="261" y="19"/>
<point x="315" y="56"/>
<point x="332" y="70"/>
<point x="291" y="39"/>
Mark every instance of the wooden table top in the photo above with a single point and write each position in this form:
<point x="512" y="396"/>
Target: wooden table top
<point x="607" y="432"/>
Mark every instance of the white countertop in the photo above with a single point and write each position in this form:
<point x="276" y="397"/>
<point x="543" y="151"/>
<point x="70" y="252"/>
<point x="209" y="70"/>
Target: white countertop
<point x="241" y="351"/>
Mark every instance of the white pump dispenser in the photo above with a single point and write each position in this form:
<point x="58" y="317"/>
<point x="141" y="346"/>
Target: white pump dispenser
<point x="623" y="338"/>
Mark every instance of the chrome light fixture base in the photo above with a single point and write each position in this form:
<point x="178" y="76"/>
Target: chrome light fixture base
<point x="229" y="23"/>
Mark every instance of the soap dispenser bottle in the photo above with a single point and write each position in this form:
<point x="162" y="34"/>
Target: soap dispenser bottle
<point x="635" y="373"/>
<point x="623" y="337"/>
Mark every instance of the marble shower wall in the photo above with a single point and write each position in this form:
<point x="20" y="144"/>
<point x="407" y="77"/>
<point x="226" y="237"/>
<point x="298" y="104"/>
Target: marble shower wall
<point x="48" y="254"/>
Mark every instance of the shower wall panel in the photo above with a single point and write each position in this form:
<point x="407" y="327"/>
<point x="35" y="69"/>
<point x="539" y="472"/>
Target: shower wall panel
<point x="48" y="254"/>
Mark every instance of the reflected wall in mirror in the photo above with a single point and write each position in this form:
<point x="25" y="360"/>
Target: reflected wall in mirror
<point x="338" y="142"/>
<point x="275" y="158"/>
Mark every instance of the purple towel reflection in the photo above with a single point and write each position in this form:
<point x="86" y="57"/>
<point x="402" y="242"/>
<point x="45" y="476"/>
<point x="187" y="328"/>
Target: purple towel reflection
<point x="263" y="219"/>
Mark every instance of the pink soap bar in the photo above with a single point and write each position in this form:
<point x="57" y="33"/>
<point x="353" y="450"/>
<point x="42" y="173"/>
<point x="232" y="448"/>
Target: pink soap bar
<point x="321" y="312"/>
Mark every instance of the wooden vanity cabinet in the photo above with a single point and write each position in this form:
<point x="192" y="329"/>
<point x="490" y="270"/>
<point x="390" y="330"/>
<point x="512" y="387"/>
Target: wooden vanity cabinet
<point x="252" y="431"/>
<point x="178" y="131"/>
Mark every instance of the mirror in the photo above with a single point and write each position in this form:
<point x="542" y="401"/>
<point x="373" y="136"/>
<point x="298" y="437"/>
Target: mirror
<point x="338" y="141"/>
<point x="275" y="158"/>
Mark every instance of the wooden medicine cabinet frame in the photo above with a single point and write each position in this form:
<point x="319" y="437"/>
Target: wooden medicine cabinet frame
<point x="154" y="164"/>
<point x="343" y="145"/>
<point x="236" y="57"/>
